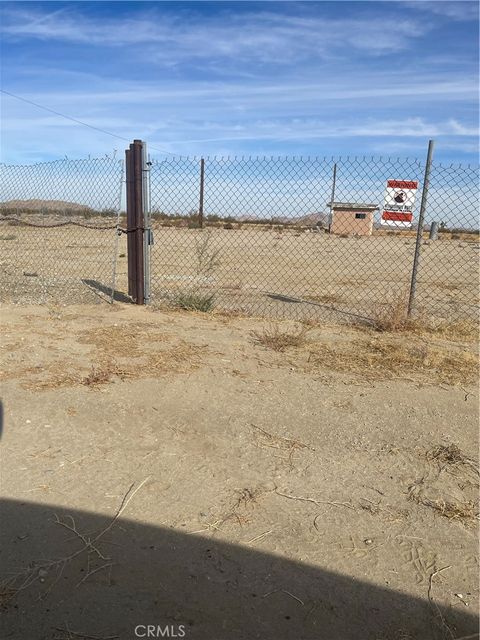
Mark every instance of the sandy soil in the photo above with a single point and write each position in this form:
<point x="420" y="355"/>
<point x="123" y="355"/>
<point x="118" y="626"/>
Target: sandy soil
<point x="260" y="272"/>
<point x="259" y="494"/>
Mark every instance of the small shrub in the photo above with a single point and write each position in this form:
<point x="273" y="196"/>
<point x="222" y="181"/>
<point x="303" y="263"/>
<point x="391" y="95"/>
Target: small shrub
<point x="228" y="225"/>
<point x="8" y="237"/>
<point x="393" y="315"/>
<point x="206" y="258"/>
<point x="192" y="301"/>
<point x="278" y="339"/>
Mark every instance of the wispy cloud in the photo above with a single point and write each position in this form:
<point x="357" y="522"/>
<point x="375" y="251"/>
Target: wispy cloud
<point x="265" y="36"/>
<point x="206" y="77"/>
<point x="454" y="10"/>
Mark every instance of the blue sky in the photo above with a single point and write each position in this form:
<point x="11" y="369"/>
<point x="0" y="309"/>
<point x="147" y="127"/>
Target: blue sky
<point x="226" y="78"/>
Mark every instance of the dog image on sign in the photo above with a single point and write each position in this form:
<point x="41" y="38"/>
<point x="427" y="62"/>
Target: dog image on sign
<point x="399" y="202"/>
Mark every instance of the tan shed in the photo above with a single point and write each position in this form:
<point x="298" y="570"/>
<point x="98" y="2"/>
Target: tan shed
<point x="352" y="218"/>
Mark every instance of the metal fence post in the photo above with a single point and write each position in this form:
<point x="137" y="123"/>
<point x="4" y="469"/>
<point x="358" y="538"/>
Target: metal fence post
<point x="138" y="177"/>
<point x="135" y="221"/>
<point x="332" y="198"/>
<point x="421" y="216"/>
<point x="147" y="235"/>
<point x="202" y="182"/>
<point x="130" y="194"/>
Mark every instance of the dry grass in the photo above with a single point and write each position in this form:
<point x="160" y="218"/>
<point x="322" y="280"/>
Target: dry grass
<point x="464" y="512"/>
<point x="450" y="458"/>
<point x="455" y="331"/>
<point x="393" y="314"/>
<point x="193" y="301"/>
<point x="126" y="352"/>
<point x="447" y="454"/>
<point x="388" y="357"/>
<point x="96" y="377"/>
<point x="266" y="440"/>
<point x="278" y="338"/>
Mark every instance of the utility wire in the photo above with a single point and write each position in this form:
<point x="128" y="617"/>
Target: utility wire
<point x="84" y="124"/>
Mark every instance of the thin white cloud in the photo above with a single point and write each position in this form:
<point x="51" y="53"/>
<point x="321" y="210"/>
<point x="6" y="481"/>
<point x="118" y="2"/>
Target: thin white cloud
<point x="263" y="36"/>
<point x="455" y="10"/>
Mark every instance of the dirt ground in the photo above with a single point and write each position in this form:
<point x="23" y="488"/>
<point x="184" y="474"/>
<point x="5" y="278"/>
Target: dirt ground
<point x="255" y="271"/>
<point x="171" y="469"/>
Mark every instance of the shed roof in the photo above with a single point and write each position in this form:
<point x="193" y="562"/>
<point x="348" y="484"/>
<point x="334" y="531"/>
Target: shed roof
<point x="353" y="206"/>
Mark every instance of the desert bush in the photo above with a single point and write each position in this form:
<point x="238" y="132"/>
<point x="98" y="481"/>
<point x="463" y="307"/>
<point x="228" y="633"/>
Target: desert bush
<point x="206" y="258"/>
<point x="392" y="315"/>
<point x="277" y="338"/>
<point x="194" y="301"/>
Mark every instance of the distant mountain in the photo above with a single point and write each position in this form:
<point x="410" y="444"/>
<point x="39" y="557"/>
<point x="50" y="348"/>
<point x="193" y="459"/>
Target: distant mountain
<point x="312" y="219"/>
<point x="49" y="205"/>
<point x="309" y="220"/>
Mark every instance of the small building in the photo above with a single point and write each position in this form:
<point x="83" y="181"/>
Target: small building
<point x="351" y="218"/>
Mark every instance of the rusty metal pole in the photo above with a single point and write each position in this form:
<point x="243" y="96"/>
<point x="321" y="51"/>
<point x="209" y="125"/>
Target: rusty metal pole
<point x="202" y="183"/>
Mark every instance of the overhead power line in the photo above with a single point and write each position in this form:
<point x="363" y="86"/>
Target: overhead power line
<point x="84" y="124"/>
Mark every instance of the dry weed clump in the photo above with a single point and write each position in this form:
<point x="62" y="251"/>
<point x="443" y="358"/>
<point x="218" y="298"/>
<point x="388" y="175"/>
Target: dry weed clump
<point x="464" y="512"/>
<point x="450" y="455"/>
<point x="392" y="315"/>
<point x="454" y="331"/>
<point x="387" y="358"/>
<point x="277" y="338"/>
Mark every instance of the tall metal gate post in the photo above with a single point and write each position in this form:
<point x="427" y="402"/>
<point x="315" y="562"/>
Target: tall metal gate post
<point x="130" y="195"/>
<point x="421" y="216"/>
<point x="135" y="222"/>
<point x="147" y="224"/>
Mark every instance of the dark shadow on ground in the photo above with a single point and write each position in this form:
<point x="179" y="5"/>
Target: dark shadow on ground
<point x="313" y="303"/>
<point x="98" y="287"/>
<point x="166" y="578"/>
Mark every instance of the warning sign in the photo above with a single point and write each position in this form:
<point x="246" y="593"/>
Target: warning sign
<point x="399" y="202"/>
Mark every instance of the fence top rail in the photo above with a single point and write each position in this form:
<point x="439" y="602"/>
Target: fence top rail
<point x="419" y="163"/>
<point x="314" y="158"/>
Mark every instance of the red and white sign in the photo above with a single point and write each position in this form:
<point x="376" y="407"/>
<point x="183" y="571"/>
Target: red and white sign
<point x="399" y="202"/>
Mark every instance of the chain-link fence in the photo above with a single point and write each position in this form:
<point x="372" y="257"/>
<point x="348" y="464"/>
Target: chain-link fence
<point x="58" y="230"/>
<point x="259" y="235"/>
<point x="280" y="237"/>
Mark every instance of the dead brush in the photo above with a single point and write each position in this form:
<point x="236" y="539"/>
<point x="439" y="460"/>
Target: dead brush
<point x="266" y="440"/>
<point x="385" y="358"/>
<point x="277" y="338"/>
<point x="464" y="512"/>
<point x="451" y="457"/>
<point x="392" y="315"/>
<point x="97" y="377"/>
<point x="454" y="331"/>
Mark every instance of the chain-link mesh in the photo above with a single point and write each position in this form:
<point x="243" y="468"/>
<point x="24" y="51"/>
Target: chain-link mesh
<point x="271" y="245"/>
<point x="448" y="273"/>
<point x="58" y="235"/>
